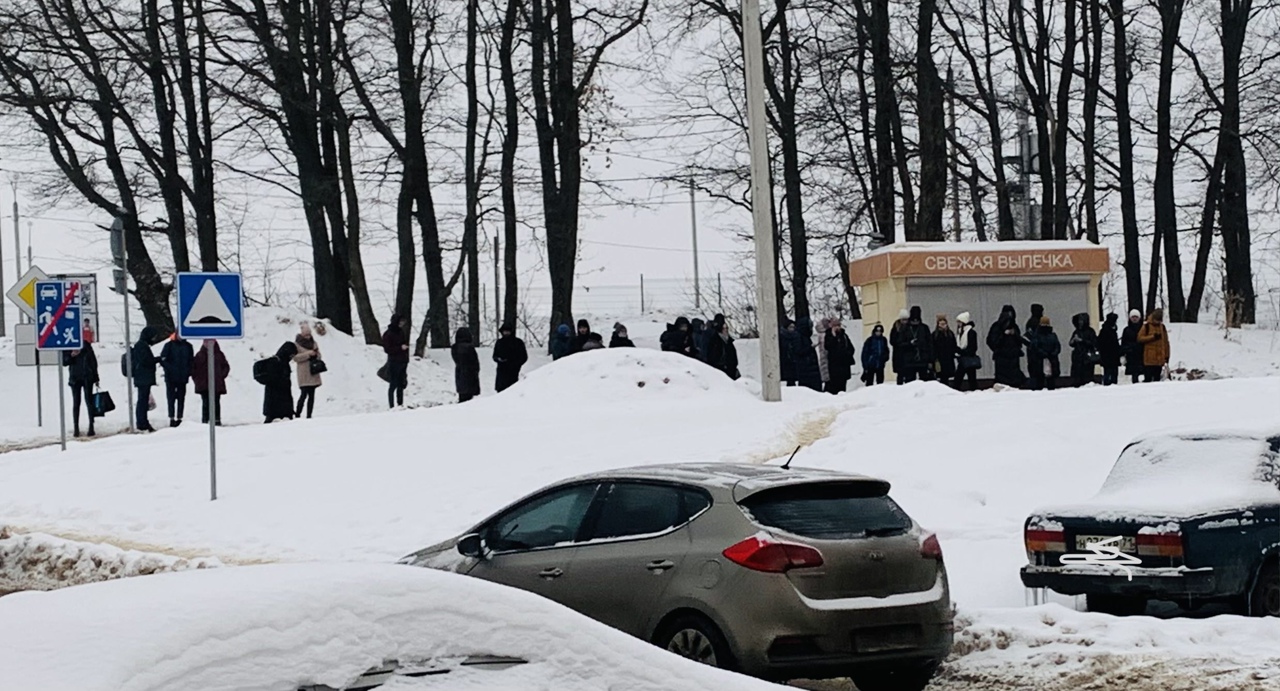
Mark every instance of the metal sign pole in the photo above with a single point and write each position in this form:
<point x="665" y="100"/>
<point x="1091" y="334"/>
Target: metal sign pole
<point x="211" y="393"/>
<point x="62" y="402"/>
<point x="39" y="388"/>
<point x="128" y="336"/>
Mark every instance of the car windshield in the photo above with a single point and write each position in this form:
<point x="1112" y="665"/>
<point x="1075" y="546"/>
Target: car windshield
<point x="829" y="510"/>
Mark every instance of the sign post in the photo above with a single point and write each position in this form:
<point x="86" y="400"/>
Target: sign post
<point x="211" y="306"/>
<point x="23" y="294"/>
<point x="58" y="320"/>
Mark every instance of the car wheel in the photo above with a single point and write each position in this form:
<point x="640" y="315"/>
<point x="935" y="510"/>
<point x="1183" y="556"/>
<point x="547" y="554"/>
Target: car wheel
<point x="1116" y="605"/>
<point x="904" y="678"/>
<point x="1264" y="600"/>
<point x="696" y="639"/>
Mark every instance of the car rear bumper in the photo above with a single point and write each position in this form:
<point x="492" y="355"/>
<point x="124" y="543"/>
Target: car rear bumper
<point x="1170" y="583"/>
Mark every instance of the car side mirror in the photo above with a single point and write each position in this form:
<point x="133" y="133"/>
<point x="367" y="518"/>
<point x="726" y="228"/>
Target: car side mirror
<point x="471" y="545"/>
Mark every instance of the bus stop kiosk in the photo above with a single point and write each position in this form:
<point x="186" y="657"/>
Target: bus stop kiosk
<point x="980" y="278"/>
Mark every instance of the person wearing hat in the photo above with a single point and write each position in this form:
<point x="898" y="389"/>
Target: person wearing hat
<point x="840" y="357"/>
<point x="875" y="355"/>
<point x="466" y="365"/>
<point x="916" y="344"/>
<point x="1153" y="337"/>
<point x="968" y="362"/>
<point x="582" y="337"/>
<point x="1084" y="350"/>
<point x="903" y="316"/>
<point x="395" y="343"/>
<point x="1005" y="340"/>
<point x="1130" y="348"/>
<point x="561" y="342"/>
<point x="678" y="339"/>
<point x="1043" y="349"/>
<point x="788" y="344"/>
<point x="510" y="355"/>
<point x="175" y="359"/>
<point x="619" y="338"/>
<point x="1109" y="349"/>
<point x="945" y="346"/>
<point x="722" y="354"/>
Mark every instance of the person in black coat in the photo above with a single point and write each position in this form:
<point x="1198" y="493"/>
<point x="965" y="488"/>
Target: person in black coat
<point x="875" y="355"/>
<point x="968" y="362"/>
<point x="1043" y="349"/>
<point x="175" y="359"/>
<point x="1084" y="350"/>
<point x="395" y="343"/>
<point x="466" y="365"/>
<point x="840" y="357"/>
<point x="561" y="342"/>
<point x="788" y="345"/>
<point x="580" y="339"/>
<point x="144" y="376"/>
<point x="895" y="330"/>
<point x="510" y="355"/>
<point x="722" y="354"/>
<point x="944" y="350"/>
<point x="678" y="339"/>
<point x="277" y="387"/>
<point x="1033" y="322"/>
<point x="701" y="336"/>
<point x="82" y="376"/>
<point x="1131" y="349"/>
<point x="916" y="344"/>
<point x="619" y="338"/>
<point x="1004" y="338"/>
<point x="808" y="371"/>
<point x="1109" y="350"/>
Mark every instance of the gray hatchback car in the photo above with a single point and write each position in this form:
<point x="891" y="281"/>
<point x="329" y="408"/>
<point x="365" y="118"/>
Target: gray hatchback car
<point x="777" y="573"/>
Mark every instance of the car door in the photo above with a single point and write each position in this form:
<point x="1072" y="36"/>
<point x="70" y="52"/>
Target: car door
<point x="531" y="545"/>
<point x="634" y="548"/>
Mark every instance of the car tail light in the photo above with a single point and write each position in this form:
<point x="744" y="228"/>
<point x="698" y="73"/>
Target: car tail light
<point x="1165" y="545"/>
<point x="1046" y="540"/>
<point x="930" y="549"/>
<point x="761" y="554"/>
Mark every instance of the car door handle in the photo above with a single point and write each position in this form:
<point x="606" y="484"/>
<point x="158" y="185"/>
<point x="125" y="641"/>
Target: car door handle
<point x="660" y="566"/>
<point x="551" y="573"/>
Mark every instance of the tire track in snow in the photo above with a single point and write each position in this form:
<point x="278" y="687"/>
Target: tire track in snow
<point x="804" y="430"/>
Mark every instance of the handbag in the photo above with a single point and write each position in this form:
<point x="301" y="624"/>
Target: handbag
<point x="318" y="367"/>
<point x="101" y="403"/>
<point x="384" y="373"/>
<point x="1093" y="357"/>
<point x="970" y="362"/>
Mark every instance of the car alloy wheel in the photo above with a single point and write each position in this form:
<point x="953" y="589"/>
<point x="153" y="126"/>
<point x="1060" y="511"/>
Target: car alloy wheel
<point x="693" y="644"/>
<point x="1265" y="599"/>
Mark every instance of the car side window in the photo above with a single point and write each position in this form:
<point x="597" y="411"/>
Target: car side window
<point x="551" y="519"/>
<point x="632" y="509"/>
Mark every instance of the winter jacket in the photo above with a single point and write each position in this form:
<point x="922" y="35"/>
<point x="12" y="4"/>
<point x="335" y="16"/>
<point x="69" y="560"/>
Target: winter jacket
<point x="1005" y="342"/>
<point x="819" y="347"/>
<point x="1109" y="343"/>
<point x="840" y="355"/>
<point x="895" y="333"/>
<point x="394" y="340"/>
<point x="1033" y="322"/>
<point x="1154" y="339"/>
<point x="967" y="342"/>
<point x="722" y="354"/>
<point x="945" y="348"/>
<point x="806" y="358"/>
<point x="176" y="358"/>
<point x="200" y="371"/>
<point x="82" y="366"/>
<point x="144" y="361"/>
<point x="1131" y="349"/>
<point x="308" y="350"/>
<point x="1084" y="341"/>
<point x="510" y="355"/>
<point x="277" y="393"/>
<point x="561" y="344"/>
<point x="875" y="353"/>
<point x="1044" y="346"/>
<point x="674" y="340"/>
<point x="916" y="344"/>
<point x="619" y="338"/>
<point x="466" y="364"/>
<point x="789" y="343"/>
<point x="701" y="337"/>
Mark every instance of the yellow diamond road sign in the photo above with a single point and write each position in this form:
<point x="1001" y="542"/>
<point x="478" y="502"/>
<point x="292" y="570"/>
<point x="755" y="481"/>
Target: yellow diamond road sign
<point x="23" y="293"/>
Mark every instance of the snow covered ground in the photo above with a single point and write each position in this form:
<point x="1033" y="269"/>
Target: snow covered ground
<point x="372" y="486"/>
<point x="286" y="626"/>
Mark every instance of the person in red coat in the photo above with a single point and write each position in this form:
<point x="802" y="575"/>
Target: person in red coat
<point x="200" y="377"/>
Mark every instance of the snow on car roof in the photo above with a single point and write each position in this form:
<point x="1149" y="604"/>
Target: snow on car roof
<point x="286" y="626"/>
<point x="742" y="475"/>
<point x="1186" y="474"/>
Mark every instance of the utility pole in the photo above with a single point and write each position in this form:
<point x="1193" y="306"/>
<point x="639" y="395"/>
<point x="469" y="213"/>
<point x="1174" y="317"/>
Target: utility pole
<point x="693" y="223"/>
<point x="761" y="203"/>
<point x="2" y="284"/>
<point x="17" y="236"/>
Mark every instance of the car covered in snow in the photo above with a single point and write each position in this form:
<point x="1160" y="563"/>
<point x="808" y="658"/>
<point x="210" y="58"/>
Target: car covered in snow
<point x="1188" y="518"/>
<point x="775" y="572"/>
<point x="322" y="627"/>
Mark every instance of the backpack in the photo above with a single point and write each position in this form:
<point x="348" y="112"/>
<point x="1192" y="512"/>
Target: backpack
<point x="262" y="371"/>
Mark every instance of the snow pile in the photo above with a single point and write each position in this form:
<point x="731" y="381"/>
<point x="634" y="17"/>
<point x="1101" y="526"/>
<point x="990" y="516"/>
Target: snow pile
<point x="44" y="562"/>
<point x="1052" y="647"/>
<point x="623" y="375"/>
<point x="1182" y="475"/>
<point x="285" y="626"/>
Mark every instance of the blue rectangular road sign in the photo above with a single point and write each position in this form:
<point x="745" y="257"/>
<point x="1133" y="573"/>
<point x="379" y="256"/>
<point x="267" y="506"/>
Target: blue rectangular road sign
<point x="210" y="305"/>
<point x="58" y="325"/>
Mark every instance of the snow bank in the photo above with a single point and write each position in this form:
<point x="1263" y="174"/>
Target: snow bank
<point x="284" y="626"/>
<point x="43" y="562"/>
<point x="620" y="375"/>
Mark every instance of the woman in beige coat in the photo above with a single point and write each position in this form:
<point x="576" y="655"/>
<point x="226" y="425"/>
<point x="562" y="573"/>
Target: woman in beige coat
<point x="308" y="382"/>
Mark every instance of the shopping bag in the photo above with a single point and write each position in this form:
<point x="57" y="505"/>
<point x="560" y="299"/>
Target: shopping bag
<point x="101" y="403"/>
<point x="384" y="373"/>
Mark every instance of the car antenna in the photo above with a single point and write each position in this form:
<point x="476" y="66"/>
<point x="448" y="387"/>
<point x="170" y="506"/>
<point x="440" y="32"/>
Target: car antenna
<point x="787" y="465"/>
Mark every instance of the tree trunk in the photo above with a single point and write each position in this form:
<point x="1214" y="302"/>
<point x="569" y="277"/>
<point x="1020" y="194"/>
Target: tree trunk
<point x="1062" y="127"/>
<point x="933" y="131"/>
<point x="1166" y="211"/>
<point x="784" y="102"/>
<point x="886" y="103"/>
<point x="168" y="174"/>
<point x="1234" y="213"/>
<point x="1212" y="197"/>
<point x="510" y="145"/>
<point x="1092" y="85"/>
<point x="470" y="233"/>
<point x="1124" y="130"/>
<point x="359" y="283"/>
<point x="199" y="128"/>
<point x="842" y="262"/>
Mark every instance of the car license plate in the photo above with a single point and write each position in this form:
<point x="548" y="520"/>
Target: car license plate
<point x="883" y="638"/>
<point x="1126" y="543"/>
